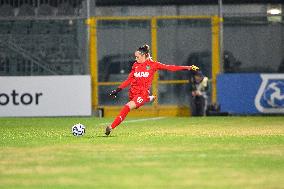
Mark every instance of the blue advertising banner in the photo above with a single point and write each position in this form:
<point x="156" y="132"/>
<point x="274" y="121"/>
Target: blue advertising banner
<point x="251" y="93"/>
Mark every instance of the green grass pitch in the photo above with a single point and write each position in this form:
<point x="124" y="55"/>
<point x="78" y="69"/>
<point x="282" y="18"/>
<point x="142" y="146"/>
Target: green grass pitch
<point x="196" y="153"/>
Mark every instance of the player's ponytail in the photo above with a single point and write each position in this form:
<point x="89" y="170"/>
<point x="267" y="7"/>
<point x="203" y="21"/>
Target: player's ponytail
<point x="145" y="49"/>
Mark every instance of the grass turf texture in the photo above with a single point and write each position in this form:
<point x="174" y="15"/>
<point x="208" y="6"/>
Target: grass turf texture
<point x="210" y="152"/>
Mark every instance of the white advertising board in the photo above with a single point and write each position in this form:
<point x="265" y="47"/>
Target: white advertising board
<point x="45" y="96"/>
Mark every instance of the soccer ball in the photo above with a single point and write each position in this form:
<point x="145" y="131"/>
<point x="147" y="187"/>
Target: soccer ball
<point x="274" y="94"/>
<point x="78" y="129"/>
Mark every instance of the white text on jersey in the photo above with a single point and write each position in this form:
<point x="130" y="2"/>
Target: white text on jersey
<point x="141" y="74"/>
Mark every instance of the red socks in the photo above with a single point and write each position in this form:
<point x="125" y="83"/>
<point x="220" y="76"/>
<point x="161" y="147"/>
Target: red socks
<point x="123" y="113"/>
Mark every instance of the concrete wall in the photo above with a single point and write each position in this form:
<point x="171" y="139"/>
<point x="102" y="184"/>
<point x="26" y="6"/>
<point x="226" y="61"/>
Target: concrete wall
<point x="180" y="10"/>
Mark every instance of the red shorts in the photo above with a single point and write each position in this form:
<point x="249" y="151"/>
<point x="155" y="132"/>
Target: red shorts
<point x="139" y="99"/>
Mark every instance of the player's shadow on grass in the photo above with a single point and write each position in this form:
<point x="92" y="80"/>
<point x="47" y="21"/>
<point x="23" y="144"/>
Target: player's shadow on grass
<point x="92" y="137"/>
<point x="104" y="136"/>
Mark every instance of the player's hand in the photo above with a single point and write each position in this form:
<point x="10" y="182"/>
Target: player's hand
<point x="194" y="68"/>
<point x="114" y="93"/>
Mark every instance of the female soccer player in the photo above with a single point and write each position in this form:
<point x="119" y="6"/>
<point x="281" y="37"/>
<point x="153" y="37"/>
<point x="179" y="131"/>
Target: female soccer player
<point x="140" y="80"/>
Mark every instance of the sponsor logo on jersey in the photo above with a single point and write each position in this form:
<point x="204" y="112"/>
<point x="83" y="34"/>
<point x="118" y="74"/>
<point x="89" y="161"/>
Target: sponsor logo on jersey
<point x="270" y="95"/>
<point x="141" y="74"/>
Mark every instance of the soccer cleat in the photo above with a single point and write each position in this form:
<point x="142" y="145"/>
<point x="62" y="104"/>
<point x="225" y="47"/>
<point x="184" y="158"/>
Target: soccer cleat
<point x="108" y="130"/>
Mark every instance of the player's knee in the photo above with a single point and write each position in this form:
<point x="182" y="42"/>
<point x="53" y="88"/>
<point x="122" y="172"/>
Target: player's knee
<point x="131" y="105"/>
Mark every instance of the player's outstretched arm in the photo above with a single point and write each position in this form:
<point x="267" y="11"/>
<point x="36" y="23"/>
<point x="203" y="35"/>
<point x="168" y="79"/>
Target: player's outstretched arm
<point x="174" y="68"/>
<point x="124" y="84"/>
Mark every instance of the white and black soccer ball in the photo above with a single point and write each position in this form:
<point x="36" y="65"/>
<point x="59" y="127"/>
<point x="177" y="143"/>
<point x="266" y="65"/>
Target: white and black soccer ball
<point x="78" y="129"/>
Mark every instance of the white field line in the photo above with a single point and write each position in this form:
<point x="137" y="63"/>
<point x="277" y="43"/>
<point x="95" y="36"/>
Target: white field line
<point x="137" y="120"/>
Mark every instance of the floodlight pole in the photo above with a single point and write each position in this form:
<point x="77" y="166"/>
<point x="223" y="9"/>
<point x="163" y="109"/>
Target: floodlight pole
<point x="221" y="42"/>
<point x="88" y="28"/>
<point x="88" y="9"/>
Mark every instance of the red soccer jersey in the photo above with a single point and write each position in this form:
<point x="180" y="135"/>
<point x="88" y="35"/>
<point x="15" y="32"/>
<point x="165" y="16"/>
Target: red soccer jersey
<point x="141" y="76"/>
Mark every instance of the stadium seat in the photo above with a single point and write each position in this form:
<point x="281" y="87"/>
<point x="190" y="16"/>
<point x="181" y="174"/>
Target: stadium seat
<point x="45" y="10"/>
<point x="6" y="10"/>
<point x="65" y="9"/>
<point x="5" y="27"/>
<point x="41" y="27"/>
<point x="26" y="10"/>
<point x="20" y="27"/>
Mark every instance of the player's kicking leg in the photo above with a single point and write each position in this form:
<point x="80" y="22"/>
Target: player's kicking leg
<point x="136" y="102"/>
<point x="121" y="116"/>
<point x="123" y="113"/>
